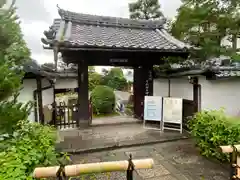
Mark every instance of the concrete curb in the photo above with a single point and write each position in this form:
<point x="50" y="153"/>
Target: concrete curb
<point x="114" y="124"/>
<point x="120" y="146"/>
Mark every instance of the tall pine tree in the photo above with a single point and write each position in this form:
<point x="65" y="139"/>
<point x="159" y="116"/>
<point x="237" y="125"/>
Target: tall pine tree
<point x="145" y="9"/>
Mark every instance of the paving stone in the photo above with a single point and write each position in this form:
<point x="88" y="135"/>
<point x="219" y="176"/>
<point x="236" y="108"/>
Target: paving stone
<point x="125" y="134"/>
<point x="173" y="160"/>
<point x="138" y="154"/>
<point x="157" y="171"/>
<point x="185" y="159"/>
<point x="167" y="177"/>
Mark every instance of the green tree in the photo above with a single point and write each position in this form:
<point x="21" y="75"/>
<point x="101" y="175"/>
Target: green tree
<point x="115" y="79"/>
<point x="13" y="54"/>
<point x="91" y="69"/>
<point x="28" y="144"/>
<point x="205" y="23"/>
<point x="94" y="79"/>
<point x="145" y="9"/>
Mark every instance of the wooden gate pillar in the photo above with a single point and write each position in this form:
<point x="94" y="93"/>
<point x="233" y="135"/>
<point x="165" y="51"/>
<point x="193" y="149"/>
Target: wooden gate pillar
<point x="196" y="92"/>
<point x="83" y="102"/>
<point x="142" y="86"/>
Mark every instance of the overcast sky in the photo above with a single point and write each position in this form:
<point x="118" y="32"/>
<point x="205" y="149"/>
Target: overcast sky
<point x="37" y="16"/>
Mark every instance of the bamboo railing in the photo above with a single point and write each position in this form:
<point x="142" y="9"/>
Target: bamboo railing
<point x="101" y="167"/>
<point x="234" y="150"/>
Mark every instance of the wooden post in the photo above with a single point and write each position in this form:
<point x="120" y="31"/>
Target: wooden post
<point x="83" y="102"/>
<point x="169" y="87"/>
<point x="39" y="100"/>
<point x="196" y="93"/>
<point x="235" y="160"/>
<point x="80" y="169"/>
<point x="148" y="77"/>
<point x="142" y="86"/>
<point x="79" y="94"/>
<point x="138" y="91"/>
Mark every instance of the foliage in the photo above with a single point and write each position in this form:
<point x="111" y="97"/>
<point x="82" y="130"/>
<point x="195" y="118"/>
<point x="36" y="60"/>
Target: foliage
<point x="91" y="69"/>
<point x="129" y="109"/>
<point x="31" y="146"/>
<point x="94" y="79"/>
<point x="13" y="52"/>
<point x="115" y="79"/>
<point x="103" y="100"/>
<point x="145" y="9"/>
<point x="11" y="112"/>
<point x="23" y="145"/>
<point x="113" y="114"/>
<point x="213" y="128"/>
<point x="205" y="23"/>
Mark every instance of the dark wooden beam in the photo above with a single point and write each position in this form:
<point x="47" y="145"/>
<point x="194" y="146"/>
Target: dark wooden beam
<point x="83" y="102"/>
<point x="196" y="95"/>
<point x="54" y="106"/>
<point x="39" y="98"/>
<point x="142" y="86"/>
<point x="138" y="92"/>
<point x="35" y="105"/>
<point x="110" y="58"/>
<point x="79" y="93"/>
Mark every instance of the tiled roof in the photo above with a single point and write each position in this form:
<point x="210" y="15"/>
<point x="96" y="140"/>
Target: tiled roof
<point x="110" y="21"/>
<point x="82" y="30"/>
<point x="232" y="69"/>
<point x="33" y="67"/>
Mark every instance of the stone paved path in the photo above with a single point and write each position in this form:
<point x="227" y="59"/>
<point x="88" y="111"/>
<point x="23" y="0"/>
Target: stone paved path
<point x="114" y="120"/>
<point x="112" y="136"/>
<point x="177" y="160"/>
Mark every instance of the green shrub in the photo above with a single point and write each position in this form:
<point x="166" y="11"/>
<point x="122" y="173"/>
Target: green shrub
<point x="129" y="106"/>
<point x="32" y="145"/>
<point x="213" y="128"/>
<point x="103" y="100"/>
<point x="128" y="111"/>
<point x="11" y="113"/>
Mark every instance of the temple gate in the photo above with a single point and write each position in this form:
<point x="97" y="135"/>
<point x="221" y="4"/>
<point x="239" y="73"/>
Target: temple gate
<point x="89" y="40"/>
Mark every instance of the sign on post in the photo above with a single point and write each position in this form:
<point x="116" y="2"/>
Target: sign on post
<point x="152" y="110"/>
<point x="172" y="113"/>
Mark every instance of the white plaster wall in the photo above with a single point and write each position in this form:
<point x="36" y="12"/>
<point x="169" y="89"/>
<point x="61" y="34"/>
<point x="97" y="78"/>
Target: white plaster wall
<point x="221" y="93"/>
<point x="214" y="93"/>
<point x="66" y="83"/>
<point x="160" y="87"/>
<point x="47" y="95"/>
<point x="26" y="94"/>
<point x="179" y="87"/>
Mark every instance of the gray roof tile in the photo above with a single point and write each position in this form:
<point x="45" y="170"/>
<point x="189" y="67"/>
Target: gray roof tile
<point x="89" y="35"/>
<point x="82" y="30"/>
<point x="110" y="21"/>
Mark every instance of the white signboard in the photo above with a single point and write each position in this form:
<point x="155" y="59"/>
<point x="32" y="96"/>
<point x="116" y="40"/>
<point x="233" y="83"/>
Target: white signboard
<point x="153" y="108"/>
<point x="172" y="112"/>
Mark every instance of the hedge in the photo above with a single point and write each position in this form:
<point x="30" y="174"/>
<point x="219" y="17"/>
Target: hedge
<point x="213" y="128"/>
<point x="103" y="100"/>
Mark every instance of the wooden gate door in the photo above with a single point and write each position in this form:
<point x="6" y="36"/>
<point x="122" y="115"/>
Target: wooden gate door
<point x="189" y="109"/>
<point x="66" y="116"/>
